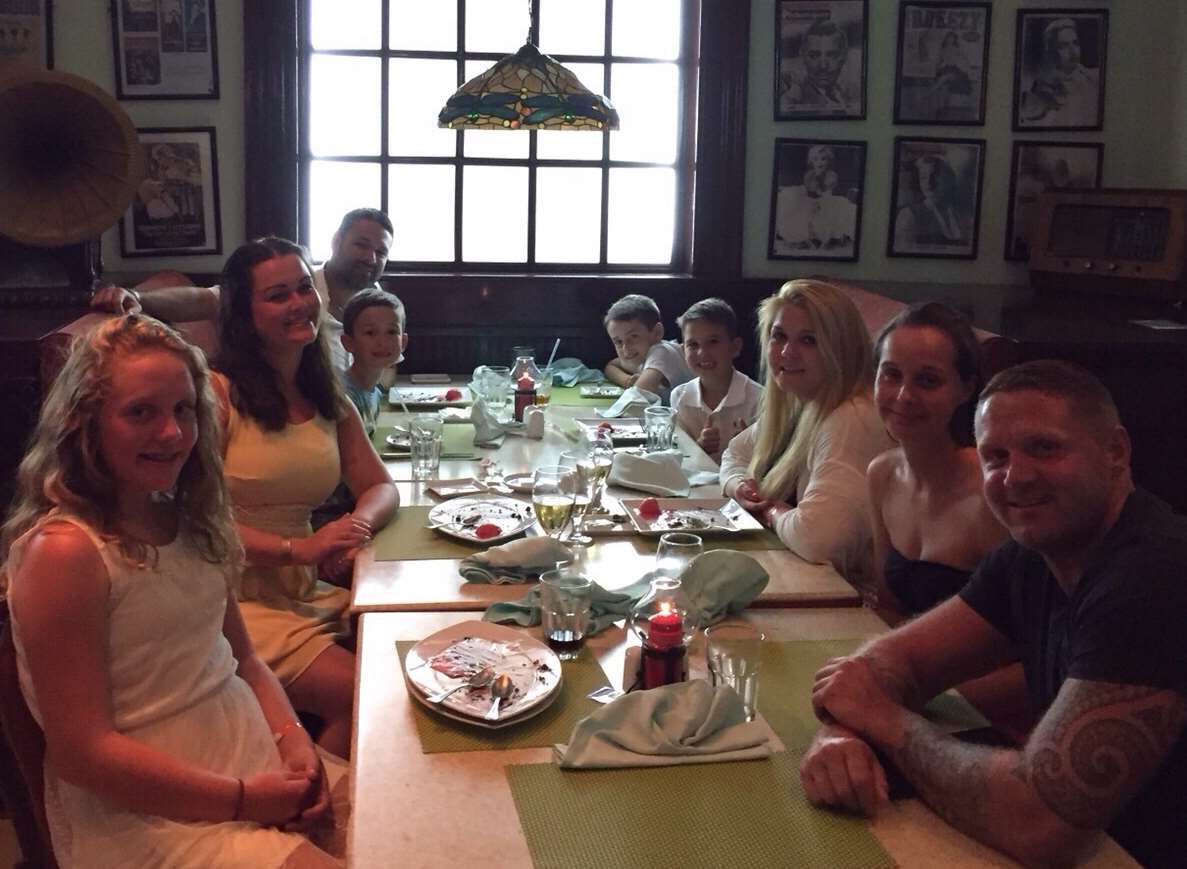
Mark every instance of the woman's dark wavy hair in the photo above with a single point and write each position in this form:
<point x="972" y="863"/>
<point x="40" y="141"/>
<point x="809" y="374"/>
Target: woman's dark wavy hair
<point x="965" y="348"/>
<point x="255" y="387"/>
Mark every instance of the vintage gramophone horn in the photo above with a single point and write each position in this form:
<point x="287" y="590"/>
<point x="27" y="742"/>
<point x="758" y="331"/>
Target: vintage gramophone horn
<point x="70" y="160"/>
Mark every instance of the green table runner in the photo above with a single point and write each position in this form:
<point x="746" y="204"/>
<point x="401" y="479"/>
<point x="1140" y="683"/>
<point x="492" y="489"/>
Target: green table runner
<point x="438" y="733"/>
<point x="407" y="538"/>
<point x="743" y="815"/>
<point x="570" y="396"/>
<point x="457" y="442"/>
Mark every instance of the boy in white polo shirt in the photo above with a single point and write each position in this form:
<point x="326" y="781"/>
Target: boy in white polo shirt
<point x="721" y="401"/>
<point x="644" y="358"/>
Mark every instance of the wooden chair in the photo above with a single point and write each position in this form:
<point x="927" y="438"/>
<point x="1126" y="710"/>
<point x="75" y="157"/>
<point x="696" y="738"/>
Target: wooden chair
<point x="22" y="777"/>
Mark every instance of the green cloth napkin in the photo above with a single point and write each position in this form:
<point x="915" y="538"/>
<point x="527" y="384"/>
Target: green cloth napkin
<point x="570" y="371"/>
<point x="457" y="442"/>
<point x="722" y="583"/>
<point x="688" y="722"/>
<point x="606" y="607"/>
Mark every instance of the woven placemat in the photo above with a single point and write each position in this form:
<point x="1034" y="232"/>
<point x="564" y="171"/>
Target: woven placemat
<point x="570" y="396"/>
<point x="406" y="538"/>
<point x="555" y="724"/>
<point x="457" y="442"/>
<point x="744" y="815"/>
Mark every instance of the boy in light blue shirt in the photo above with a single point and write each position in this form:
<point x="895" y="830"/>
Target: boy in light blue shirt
<point x="373" y="333"/>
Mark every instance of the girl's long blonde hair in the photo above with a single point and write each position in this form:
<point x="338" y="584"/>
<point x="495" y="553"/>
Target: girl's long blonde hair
<point x="788" y="426"/>
<point x="63" y="467"/>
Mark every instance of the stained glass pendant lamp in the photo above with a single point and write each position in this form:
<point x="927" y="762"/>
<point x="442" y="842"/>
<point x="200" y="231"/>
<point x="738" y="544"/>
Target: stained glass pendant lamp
<point x="527" y="91"/>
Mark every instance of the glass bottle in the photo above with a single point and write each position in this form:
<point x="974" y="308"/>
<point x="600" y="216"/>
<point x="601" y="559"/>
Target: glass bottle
<point x="525" y="378"/>
<point x="665" y="620"/>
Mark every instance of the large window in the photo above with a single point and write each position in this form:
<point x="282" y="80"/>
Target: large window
<point x="376" y="73"/>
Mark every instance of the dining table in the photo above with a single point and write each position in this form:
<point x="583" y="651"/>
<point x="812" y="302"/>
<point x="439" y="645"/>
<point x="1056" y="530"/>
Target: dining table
<point x="413" y="569"/>
<point x="427" y="792"/>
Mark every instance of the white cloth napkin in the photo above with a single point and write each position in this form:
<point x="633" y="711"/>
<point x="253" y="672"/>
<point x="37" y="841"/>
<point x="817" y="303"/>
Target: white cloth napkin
<point x="517" y="561"/>
<point x="689" y="722"/>
<point x="656" y="473"/>
<point x="631" y="403"/>
<point x="488" y="431"/>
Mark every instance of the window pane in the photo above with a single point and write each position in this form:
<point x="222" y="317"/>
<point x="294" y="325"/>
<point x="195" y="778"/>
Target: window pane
<point x="495" y="213"/>
<point x="642" y="215"/>
<point x="646" y="29"/>
<point x="645" y="95"/>
<point x="336" y="188"/>
<point x="413" y="30"/>
<point x="346" y="24"/>
<point x="344" y="106"/>
<point x="568" y="215"/>
<point x="583" y="145"/>
<point x="421" y="210"/>
<point x="418" y="89"/>
<point x="491" y="143"/>
<point x="567" y="27"/>
<point x="495" y="25"/>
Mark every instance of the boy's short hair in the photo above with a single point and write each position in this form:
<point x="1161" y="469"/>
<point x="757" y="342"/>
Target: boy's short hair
<point x="713" y="310"/>
<point x="371" y="297"/>
<point x="634" y="307"/>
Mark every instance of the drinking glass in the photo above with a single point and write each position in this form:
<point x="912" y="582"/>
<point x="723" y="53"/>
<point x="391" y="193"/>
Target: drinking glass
<point x="734" y="654"/>
<point x="496" y="389"/>
<point x="660" y="424"/>
<point x="425" y="432"/>
<point x="553" y="491"/>
<point x="600" y="447"/>
<point x="581" y="464"/>
<point x="676" y="551"/>
<point x="564" y="610"/>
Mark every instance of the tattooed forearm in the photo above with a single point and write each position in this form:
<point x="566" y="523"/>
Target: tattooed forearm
<point x="1097" y="746"/>
<point x="951" y="777"/>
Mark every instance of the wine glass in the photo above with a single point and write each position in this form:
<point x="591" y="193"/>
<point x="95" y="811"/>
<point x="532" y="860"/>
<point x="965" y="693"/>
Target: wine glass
<point x="554" y="489"/>
<point x="676" y="551"/>
<point x="581" y="464"/>
<point x="600" y="449"/>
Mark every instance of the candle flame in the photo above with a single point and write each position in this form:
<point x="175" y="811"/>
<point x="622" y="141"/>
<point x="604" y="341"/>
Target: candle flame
<point x="665" y="608"/>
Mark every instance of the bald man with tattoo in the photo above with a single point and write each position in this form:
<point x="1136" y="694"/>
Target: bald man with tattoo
<point x="1091" y="595"/>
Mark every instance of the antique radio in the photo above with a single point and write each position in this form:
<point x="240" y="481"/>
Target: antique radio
<point x="1121" y="242"/>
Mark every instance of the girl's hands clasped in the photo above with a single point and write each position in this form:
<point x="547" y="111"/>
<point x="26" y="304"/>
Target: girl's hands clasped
<point x="750" y="498"/>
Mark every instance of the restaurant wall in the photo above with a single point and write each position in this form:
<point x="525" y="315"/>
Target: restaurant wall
<point x="1142" y="139"/>
<point x="83" y="46"/>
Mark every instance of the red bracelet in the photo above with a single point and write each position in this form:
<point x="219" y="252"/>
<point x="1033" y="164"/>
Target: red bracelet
<point x="284" y="731"/>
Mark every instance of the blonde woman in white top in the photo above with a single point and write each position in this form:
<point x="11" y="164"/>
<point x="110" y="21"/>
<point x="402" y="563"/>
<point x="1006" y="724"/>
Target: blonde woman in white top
<point x="801" y="467"/>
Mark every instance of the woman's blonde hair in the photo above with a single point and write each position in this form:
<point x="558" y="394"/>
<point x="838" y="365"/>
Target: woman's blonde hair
<point x="63" y="467"/>
<point x="788" y="425"/>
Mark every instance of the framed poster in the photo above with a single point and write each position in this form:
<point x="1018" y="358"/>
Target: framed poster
<point x="1039" y="166"/>
<point x="27" y="33"/>
<point x="1059" y="69"/>
<point x="816" y="196"/>
<point x="165" y="49"/>
<point x="175" y="211"/>
<point x="936" y="198"/>
<point x="820" y="59"/>
<point x="943" y="60"/>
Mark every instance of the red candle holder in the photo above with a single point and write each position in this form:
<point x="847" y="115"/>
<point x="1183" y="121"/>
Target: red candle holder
<point x="665" y="622"/>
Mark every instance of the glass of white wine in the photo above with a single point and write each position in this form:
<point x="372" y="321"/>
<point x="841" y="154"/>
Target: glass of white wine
<point x="600" y="451"/>
<point x="554" y="490"/>
<point x="581" y="465"/>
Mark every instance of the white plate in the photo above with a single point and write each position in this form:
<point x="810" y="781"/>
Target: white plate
<point x="512" y="516"/>
<point x="622" y="431"/>
<point x="429" y="396"/>
<point x="534" y="669"/>
<point x="521" y="483"/>
<point x="694" y="515"/>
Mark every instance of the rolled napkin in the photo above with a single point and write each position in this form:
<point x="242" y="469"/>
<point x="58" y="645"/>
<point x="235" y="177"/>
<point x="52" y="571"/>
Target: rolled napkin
<point x="632" y="402"/>
<point x="518" y="561"/>
<point x="606" y="607"/>
<point x="569" y="371"/>
<point x="488" y="431"/>
<point x="657" y="473"/>
<point x="688" y="722"/>
<point x="722" y="582"/>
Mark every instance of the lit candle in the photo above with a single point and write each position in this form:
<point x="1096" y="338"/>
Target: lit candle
<point x="663" y="649"/>
<point x="667" y="628"/>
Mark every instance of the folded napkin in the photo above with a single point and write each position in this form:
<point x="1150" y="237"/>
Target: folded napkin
<point x="518" y="561"/>
<point x="606" y="607"/>
<point x="657" y="473"/>
<point x="688" y="722"/>
<point x="722" y="582"/>
<point x="569" y="371"/>
<point x="632" y="402"/>
<point x="488" y="431"/>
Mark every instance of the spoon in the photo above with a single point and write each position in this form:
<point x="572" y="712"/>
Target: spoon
<point x="500" y="690"/>
<point x="477" y="680"/>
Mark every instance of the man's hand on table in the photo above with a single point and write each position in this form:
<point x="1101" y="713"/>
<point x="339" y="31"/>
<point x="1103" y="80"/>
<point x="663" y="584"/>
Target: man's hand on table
<point x="849" y="692"/>
<point x="116" y="300"/>
<point x="839" y="770"/>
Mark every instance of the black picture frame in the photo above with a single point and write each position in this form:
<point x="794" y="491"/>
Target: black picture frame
<point x="27" y="37"/>
<point x="176" y="208"/>
<point x="818" y="218"/>
<point x="820" y="91"/>
<point x="1036" y="166"/>
<point x="160" y="55"/>
<point x="946" y="223"/>
<point x="938" y="80"/>
<point x="1053" y="93"/>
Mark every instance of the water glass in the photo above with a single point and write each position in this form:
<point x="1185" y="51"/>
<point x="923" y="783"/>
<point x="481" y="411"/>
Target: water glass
<point x="425" y="434"/>
<point x="581" y="465"/>
<point x="544" y="388"/>
<point x="676" y="551"/>
<point x="564" y="610"/>
<point x="496" y="389"/>
<point x="734" y="654"/>
<point x="660" y="424"/>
